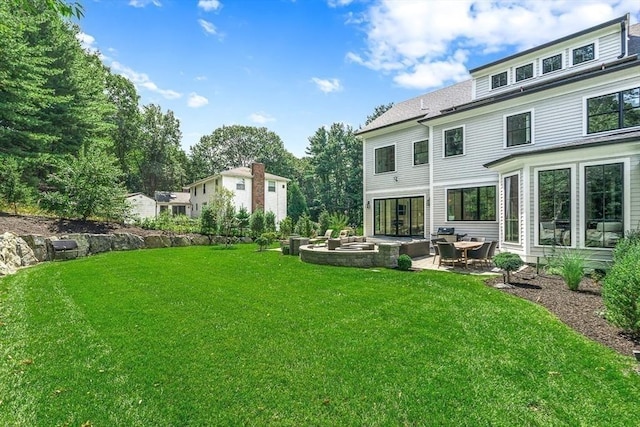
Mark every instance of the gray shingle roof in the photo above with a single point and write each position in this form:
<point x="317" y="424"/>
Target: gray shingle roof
<point x="634" y="39"/>
<point x="424" y="106"/>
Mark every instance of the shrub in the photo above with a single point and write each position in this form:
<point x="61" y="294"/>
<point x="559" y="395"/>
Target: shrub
<point x="262" y="243"/>
<point x="631" y="239"/>
<point x="508" y="262"/>
<point x="256" y="223"/>
<point x="305" y="227"/>
<point x="324" y="221"/>
<point x="269" y="221"/>
<point x="404" y="262"/>
<point x="621" y="291"/>
<point x="286" y="227"/>
<point x="271" y="236"/>
<point x="570" y="266"/>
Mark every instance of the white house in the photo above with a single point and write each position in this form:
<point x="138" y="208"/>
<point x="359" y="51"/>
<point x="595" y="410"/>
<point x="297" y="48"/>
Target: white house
<point x="537" y="149"/>
<point x="253" y="188"/>
<point x="173" y="202"/>
<point x="142" y="206"/>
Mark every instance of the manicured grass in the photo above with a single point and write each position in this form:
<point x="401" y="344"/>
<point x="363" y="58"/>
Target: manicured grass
<point x="207" y="336"/>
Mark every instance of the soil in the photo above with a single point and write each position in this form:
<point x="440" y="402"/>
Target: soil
<point x="582" y="310"/>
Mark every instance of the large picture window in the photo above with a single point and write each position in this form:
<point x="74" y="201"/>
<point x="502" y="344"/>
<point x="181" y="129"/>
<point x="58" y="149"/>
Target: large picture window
<point x="421" y="152"/>
<point x="454" y="142"/>
<point x="399" y="216"/>
<point x="518" y="129"/>
<point x="511" y="209"/>
<point x="471" y="204"/>
<point x="604" y="204"/>
<point x="554" y="207"/>
<point x="385" y="159"/>
<point x="614" y="111"/>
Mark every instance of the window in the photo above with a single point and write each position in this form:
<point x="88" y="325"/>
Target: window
<point x="583" y="54"/>
<point x="385" y="159"/>
<point x="518" y="129"/>
<point x="195" y="191"/>
<point x="614" y="111"/>
<point x="554" y="207"/>
<point x="511" y="209"/>
<point x="240" y="184"/>
<point x="271" y="186"/>
<point x="525" y="72"/>
<point x="604" y="205"/>
<point x="421" y="152"/>
<point x="204" y="188"/>
<point x="499" y="80"/>
<point x="399" y="216"/>
<point x="472" y="204"/>
<point x="453" y="142"/>
<point x="552" y="63"/>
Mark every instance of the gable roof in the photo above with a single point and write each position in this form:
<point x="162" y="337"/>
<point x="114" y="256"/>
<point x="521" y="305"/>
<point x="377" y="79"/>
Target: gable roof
<point x="427" y="105"/>
<point x="179" y="197"/>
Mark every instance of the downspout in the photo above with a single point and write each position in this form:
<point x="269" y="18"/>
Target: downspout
<point x="623" y="37"/>
<point x="428" y="202"/>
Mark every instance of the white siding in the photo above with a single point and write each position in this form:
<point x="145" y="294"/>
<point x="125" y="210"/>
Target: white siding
<point x="276" y="201"/>
<point x="142" y="206"/>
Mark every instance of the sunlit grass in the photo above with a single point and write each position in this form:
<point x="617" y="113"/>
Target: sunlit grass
<point x="207" y="336"/>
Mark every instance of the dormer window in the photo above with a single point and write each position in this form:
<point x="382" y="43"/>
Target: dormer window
<point x="525" y="72"/>
<point x="499" y="80"/>
<point x="552" y="63"/>
<point x="583" y="54"/>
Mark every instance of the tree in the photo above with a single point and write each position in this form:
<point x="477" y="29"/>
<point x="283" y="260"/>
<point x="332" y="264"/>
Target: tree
<point x="61" y="7"/>
<point x="243" y="219"/>
<point x="12" y="189"/>
<point x="86" y="186"/>
<point x="256" y="223"/>
<point x="378" y="111"/>
<point x="296" y="203"/>
<point x="270" y="221"/>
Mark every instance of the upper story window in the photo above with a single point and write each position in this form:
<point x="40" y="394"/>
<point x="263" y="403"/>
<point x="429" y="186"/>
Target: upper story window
<point x="614" y="111"/>
<point x="240" y="184"/>
<point x="472" y="204"/>
<point x="385" y="158"/>
<point x="552" y="63"/>
<point x="195" y="191"/>
<point x="499" y="80"/>
<point x="583" y="54"/>
<point x="204" y="188"/>
<point x="518" y="129"/>
<point x="525" y="72"/>
<point x="421" y="152"/>
<point x="454" y="142"/>
<point x="271" y="185"/>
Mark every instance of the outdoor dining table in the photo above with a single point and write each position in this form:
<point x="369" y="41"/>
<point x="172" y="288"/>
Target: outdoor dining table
<point x="464" y="246"/>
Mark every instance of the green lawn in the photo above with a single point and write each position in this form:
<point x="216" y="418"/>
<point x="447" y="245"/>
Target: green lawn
<point x="207" y="336"/>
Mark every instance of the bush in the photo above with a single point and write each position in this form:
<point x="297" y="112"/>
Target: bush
<point x="621" y="291"/>
<point x="286" y="227"/>
<point x="256" y="222"/>
<point x="508" y="262"/>
<point x="631" y="239"/>
<point x="262" y="243"/>
<point x="570" y="265"/>
<point x="404" y="262"/>
<point x="271" y="236"/>
<point x="305" y="227"/>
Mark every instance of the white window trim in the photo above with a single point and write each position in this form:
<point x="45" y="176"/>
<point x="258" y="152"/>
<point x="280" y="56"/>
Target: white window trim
<point x="474" y="184"/>
<point x="513" y="72"/>
<point x="464" y="142"/>
<point x="574" y="224"/>
<point x="626" y="176"/>
<point x="275" y="186"/>
<point x="502" y="218"/>
<point x="596" y="53"/>
<point x="413" y="152"/>
<point x="395" y="159"/>
<point x="585" y="111"/>
<point x="504" y="129"/>
<point x="244" y="184"/>
<point x="499" y="87"/>
<point x="562" y="62"/>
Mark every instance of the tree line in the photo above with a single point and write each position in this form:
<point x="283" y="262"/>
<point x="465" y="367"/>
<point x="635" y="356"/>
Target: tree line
<point x="74" y="138"/>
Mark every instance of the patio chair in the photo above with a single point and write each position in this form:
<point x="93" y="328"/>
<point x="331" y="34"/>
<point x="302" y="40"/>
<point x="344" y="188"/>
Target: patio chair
<point x="480" y="254"/>
<point x="448" y="253"/>
<point x="322" y="239"/>
<point x="467" y="238"/>
<point x="436" y="252"/>
<point x="344" y="233"/>
<point x="492" y="252"/>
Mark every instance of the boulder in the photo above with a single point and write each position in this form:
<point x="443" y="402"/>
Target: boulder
<point x="82" y="241"/>
<point x="38" y="245"/>
<point x="99" y="243"/>
<point x="157" y="241"/>
<point x="126" y="242"/>
<point x="180" y="241"/>
<point x="200" y="240"/>
<point x="14" y="253"/>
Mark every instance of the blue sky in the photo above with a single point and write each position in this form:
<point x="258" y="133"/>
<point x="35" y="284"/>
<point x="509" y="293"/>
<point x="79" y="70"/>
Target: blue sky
<point x="294" y="66"/>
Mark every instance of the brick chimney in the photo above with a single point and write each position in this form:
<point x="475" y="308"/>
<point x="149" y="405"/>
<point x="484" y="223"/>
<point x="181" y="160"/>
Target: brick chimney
<point x="257" y="186"/>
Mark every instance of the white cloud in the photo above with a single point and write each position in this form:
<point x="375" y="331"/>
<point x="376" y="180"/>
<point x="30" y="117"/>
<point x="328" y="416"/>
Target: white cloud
<point x="261" y="118"/>
<point x="338" y="3"/>
<point x="209" y="5"/>
<point x="87" y="41"/>
<point x="420" y="42"/>
<point x="143" y="3"/>
<point x="196" y="101"/>
<point x="327" y="85"/>
<point x="200" y="78"/>
<point x="207" y="26"/>
<point x="142" y="80"/>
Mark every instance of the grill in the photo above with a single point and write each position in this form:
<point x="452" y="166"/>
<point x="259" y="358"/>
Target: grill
<point x="445" y="231"/>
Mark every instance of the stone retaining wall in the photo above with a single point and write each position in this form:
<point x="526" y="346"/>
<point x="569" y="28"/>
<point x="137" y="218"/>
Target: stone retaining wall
<point x="22" y="251"/>
<point x="386" y="255"/>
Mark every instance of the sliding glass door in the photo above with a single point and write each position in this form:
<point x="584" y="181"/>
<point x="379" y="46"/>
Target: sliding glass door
<point x="399" y="216"/>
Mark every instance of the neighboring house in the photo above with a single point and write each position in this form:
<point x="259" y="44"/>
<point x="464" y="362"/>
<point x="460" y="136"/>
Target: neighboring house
<point x="540" y="148"/>
<point x="142" y="206"/>
<point x="253" y="189"/>
<point x="175" y="203"/>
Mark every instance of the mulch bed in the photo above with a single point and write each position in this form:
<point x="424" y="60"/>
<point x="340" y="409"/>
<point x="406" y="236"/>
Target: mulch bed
<point x="582" y="310"/>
